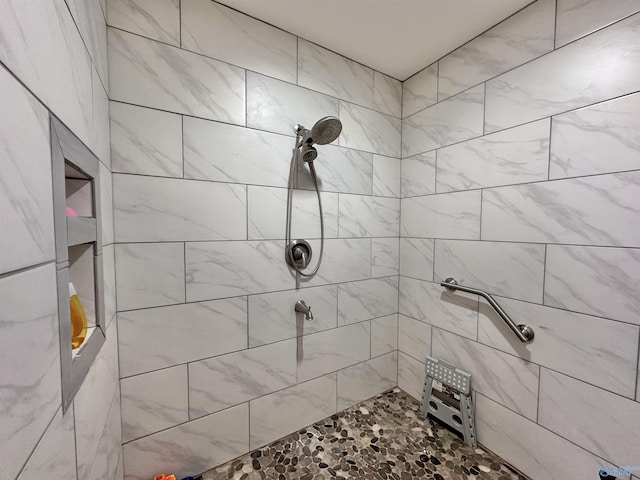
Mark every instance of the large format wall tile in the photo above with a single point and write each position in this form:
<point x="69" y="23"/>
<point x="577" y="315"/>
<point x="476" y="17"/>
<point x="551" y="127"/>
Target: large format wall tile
<point x="145" y="141"/>
<point x="420" y="91"/>
<point x="272" y="316"/>
<point x="597" y="281"/>
<point x="268" y="213"/>
<point x="99" y="134"/>
<point x="44" y="49"/>
<point x="416" y="258"/>
<point x="322" y="70"/>
<point x="517" y="155"/>
<point x="278" y="414"/>
<point x="386" y="176"/>
<point x="536" y="451"/>
<point x="345" y="260"/>
<point x="109" y="455"/>
<point x="563" y="211"/>
<point x="449" y="215"/>
<point x="362" y="216"/>
<point x="431" y="303"/>
<point x="30" y="356"/>
<point x="414" y="337"/>
<point x="106" y="205"/>
<point x="25" y="185"/>
<point x="228" y="35"/>
<point x="368" y="130"/>
<point x="384" y="335"/>
<point x="149" y="275"/>
<point x="358" y="301"/>
<point x="511" y="269"/>
<point x="600" y="66"/>
<point x="225" y="269"/>
<point x="604" y="355"/>
<point x="93" y="402"/>
<point x="340" y="170"/>
<point x="418" y="175"/>
<point x="508" y="380"/>
<point x="228" y="153"/>
<point x="153" y="74"/>
<point x="411" y="375"/>
<point x="518" y="39"/>
<point x="91" y="24"/>
<point x="55" y="454"/>
<point x="159" y="19"/>
<point x="109" y="273"/>
<point x="325" y="352"/>
<point x="278" y="106"/>
<point x="387" y="94"/>
<point x="576" y="18"/>
<point x="385" y="257"/>
<point x="190" y="448"/>
<point x="227" y="380"/>
<point x="162" y="337"/>
<point x="154" y="401"/>
<point x="366" y="379"/>
<point x="602" y="422"/>
<point x="453" y="120"/>
<point x="148" y="209"/>
<point x="602" y="138"/>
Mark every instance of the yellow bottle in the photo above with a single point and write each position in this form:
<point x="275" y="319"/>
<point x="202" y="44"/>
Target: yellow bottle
<point x="78" y="318"/>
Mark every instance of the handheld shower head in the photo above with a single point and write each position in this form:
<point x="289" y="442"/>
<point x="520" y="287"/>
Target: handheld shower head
<point x="326" y="130"/>
<point x="308" y="152"/>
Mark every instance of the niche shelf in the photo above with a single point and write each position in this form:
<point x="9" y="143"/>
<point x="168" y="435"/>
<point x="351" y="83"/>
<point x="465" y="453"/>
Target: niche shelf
<point x="76" y="203"/>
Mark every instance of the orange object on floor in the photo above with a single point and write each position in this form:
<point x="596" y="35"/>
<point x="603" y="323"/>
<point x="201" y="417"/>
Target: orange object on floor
<point x="164" y="477"/>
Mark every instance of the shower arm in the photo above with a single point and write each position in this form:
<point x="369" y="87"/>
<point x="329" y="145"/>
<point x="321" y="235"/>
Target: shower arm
<point x="524" y="332"/>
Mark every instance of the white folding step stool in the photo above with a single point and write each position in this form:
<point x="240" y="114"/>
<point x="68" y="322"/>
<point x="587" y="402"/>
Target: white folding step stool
<point x="447" y="397"/>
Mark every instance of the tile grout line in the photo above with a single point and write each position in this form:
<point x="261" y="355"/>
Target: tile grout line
<point x="637" y="397"/>
<point x="233" y="352"/>
<point x="542" y="426"/>
<point x="500" y="130"/>
<point x="27" y="269"/>
<point x="255" y="72"/>
<point x="544" y="274"/>
<point x="327" y="374"/>
<point x="538" y="396"/>
<point x="530" y="362"/>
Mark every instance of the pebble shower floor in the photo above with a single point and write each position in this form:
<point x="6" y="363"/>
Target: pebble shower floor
<point x="384" y="437"/>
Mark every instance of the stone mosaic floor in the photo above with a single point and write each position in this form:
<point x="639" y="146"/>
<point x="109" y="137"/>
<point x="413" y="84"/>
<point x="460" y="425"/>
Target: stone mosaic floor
<point x="384" y="437"/>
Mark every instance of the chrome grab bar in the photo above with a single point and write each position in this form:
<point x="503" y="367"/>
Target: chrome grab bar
<point x="523" y="332"/>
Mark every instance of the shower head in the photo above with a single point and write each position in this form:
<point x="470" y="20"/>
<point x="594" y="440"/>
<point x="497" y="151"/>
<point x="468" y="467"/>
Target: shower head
<point x="325" y="131"/>
<point x="308" y="153"/>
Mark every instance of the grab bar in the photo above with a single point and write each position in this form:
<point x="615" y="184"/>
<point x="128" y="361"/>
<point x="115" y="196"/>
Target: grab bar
<point x="523" y="332"/>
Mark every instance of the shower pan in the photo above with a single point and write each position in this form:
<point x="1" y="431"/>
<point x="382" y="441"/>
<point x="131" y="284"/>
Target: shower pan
<point x="298" y="252"/>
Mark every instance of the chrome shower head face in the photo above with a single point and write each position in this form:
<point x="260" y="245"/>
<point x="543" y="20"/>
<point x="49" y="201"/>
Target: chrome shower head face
<point x="326" y="130"/>
<point x="308" y="153"/>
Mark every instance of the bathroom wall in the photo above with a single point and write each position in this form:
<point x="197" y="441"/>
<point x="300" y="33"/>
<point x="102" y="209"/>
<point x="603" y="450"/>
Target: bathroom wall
<point x="520" y="176"/>
<point x="213" y="359"/>
<point x="53" y="59"/>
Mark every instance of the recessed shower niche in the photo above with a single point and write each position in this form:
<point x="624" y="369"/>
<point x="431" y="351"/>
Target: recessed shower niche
<point x="76" y="203"/>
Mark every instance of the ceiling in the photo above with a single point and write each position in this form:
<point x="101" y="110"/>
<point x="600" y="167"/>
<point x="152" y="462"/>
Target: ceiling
<point x="396" y="37"/>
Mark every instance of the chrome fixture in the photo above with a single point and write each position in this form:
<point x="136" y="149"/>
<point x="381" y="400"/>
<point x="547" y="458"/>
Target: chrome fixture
<point x="300" y="254"/>
<point x="325" y="130"/>
<point x="524" y="332"/>
<point x="302" y="308"/>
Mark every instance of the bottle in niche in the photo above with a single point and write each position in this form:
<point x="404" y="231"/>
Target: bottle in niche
<point x="78" y="318"/>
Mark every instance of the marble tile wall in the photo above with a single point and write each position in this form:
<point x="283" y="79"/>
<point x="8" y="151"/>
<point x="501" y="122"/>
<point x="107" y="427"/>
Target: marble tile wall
<point x="53" y="59"/>
<point x="203" y="104"/>
<point x="519" y="176"/>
